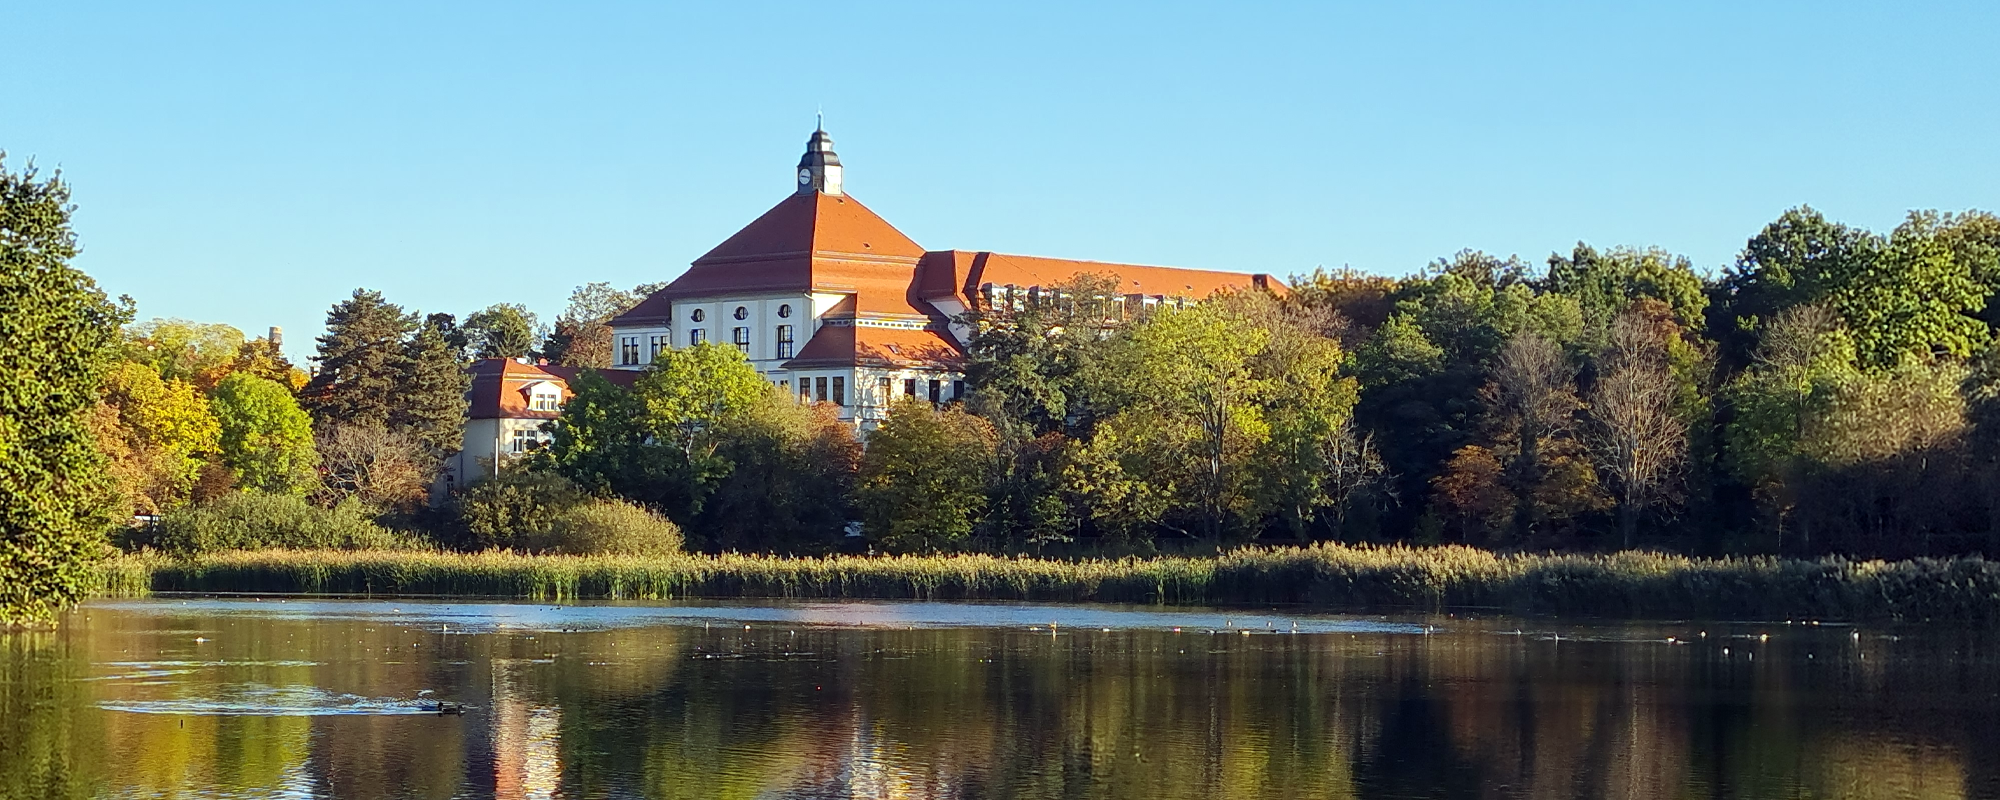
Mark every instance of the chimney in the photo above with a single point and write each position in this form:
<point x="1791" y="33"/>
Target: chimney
<point x="276" y="337"/>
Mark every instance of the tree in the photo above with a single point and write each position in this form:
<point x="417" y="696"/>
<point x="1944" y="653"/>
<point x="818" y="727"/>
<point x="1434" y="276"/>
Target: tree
<point x="57" y="334"/>
<point x="362" y="361"/>
<point x="266" y="439"/>
<point x="1605" y="282"/>
<point x="1184" y="380"/>
<point x="370" y="463"/>
<point x="431" y="391"/>
<point x="501" y="330"/>
<point x="923" y="476"/>
<point x="162" y="433"/>
<point x="1532" y="404"/>
<point x="1638" y="436"/>
<point x="1804" y="356"/>
<point x="582" y="335"/>
<point x="263" y="358"/>
<point x="790" y="480"/>
<point x="199" y="353"/>
<point x="658" y="443"/>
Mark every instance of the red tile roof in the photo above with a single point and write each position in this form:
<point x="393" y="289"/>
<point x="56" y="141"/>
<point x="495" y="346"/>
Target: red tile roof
<point x="846" y="346"/>
<point x="499" y="386"/>
<point x="957" y="273"/>
<point x="806" y="243"/>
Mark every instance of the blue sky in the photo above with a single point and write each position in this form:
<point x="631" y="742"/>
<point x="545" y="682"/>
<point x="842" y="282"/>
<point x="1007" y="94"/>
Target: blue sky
<point x="254" y="163"/>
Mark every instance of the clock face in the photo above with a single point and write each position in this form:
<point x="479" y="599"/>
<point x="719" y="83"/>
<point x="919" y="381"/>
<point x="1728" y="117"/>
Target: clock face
<point x="805" y="176"/>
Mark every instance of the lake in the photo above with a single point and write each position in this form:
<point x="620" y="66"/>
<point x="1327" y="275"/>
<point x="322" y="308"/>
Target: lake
<point x="247" y="698"/>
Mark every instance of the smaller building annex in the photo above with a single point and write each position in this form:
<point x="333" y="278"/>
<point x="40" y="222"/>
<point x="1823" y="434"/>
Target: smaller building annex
<point x="826" y="299"/>
<point x="509" y="401"/>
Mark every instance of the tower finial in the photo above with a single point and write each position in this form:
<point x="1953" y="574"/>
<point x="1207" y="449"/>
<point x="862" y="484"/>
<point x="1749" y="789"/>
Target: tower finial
<point x="819" y="123"/>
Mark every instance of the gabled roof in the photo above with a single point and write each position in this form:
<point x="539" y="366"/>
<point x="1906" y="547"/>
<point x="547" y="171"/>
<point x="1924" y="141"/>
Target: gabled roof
<point x="959" y="274"/>
<point x="498" y="386"/>
<point x="849" y="345"/>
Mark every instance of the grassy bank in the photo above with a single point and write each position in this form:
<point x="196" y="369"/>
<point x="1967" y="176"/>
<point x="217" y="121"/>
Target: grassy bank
<point x="1334" y="577"/>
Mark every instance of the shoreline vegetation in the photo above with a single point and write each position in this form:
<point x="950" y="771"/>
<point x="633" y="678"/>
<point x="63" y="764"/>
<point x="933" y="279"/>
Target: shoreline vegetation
<point x="1331" y="577"/>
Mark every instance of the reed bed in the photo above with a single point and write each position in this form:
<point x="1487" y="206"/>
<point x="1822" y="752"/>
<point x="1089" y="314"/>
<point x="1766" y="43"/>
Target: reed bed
<point x="1327" y="576"/>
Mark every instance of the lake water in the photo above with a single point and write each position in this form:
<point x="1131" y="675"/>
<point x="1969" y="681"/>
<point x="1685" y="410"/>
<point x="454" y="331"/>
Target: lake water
<point x="206" y="698"/>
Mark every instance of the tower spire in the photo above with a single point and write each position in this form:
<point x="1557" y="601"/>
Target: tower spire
<point x="819" y="168"/>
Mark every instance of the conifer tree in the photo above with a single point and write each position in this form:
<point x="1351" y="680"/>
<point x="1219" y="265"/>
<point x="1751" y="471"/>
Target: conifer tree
<point x="430" y="393"/>
<point x="361" y="358"/>
<point x="57" y="331"/>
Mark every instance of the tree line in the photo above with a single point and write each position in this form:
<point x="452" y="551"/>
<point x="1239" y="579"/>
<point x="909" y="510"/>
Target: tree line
<point x="1832" y="391"/>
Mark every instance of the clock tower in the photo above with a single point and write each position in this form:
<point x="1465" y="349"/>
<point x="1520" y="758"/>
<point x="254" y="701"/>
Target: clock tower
<point x="819" y="168"/>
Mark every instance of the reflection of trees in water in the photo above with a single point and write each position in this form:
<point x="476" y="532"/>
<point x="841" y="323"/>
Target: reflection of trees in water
<point x="683" y="713"/>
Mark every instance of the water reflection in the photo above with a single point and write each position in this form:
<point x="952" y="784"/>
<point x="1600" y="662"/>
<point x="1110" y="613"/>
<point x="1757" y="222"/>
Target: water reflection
<point x="207" y="699"/>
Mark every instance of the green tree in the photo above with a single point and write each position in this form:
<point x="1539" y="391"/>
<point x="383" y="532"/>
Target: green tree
<point x="1604" y="282"/>
<point x="1914" y="300"/>
<point x="431" y="391"/>
<point x="57" y="334"/>
<point x="362" y="362"/>
<point x="501" y="330"/>
<point x="923" y="476"/>
<point x="162" y="434"/>
<point x="1184" y="382"/>
<point x="658" y="443"/>
<point x="199" y="353"/>
<point x="790" y="481"/>
<point x="266" y="439"/>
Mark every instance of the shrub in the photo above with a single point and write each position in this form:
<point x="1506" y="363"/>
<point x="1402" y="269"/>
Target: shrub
<point x="613" y="527"/>
<point x="258" y="520"/>
<point x="515" y="510"/>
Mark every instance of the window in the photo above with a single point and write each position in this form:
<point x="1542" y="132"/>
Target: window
<point x="784" y="341"/>
<point x="909" y="387"/>
<point x="742" y="338"/>
<point x="936" y="387"/>
<point x="657" y="344"/>
<point x="785" y="385"/>
<point x="523" y="441"/>
<point x="805" y="390"/>
<point x="819" y="386"/>
<point x="628" y="349"/>
<point x="545" y="398"/>
<point x="840" y="391"/>
<point x="882" y="390"/>
<point x="785" y="310"/>
<point x="958" y="390"/>
<point x="697" y="336"/>
<point x="697" y="315"/>
<point x="742" y="313"/>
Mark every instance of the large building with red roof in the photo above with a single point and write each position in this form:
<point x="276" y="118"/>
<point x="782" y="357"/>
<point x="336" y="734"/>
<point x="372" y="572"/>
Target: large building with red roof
<point x="831" y="302"/>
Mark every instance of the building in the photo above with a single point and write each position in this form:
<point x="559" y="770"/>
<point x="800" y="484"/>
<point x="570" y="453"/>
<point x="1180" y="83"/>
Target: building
<point x="510" y="399"/>
<point x="830" y="301"/>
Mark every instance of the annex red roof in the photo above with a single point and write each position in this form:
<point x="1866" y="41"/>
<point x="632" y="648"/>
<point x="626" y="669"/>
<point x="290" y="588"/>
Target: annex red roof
<point x="847" y="345"/>
<point x="500" y="386"/>
<point x="959" y="274"/>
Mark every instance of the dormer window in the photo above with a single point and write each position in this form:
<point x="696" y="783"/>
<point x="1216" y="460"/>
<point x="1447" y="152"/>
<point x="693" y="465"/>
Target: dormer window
<point x="544" y="397"/>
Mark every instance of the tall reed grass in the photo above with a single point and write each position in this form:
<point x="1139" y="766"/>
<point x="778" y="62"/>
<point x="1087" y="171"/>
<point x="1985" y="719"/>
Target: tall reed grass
<point x="1328" y="576"/>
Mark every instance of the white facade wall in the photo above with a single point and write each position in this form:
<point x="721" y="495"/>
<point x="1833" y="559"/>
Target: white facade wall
<point x="863" y="399"/>
<point x="488" y="439"/>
